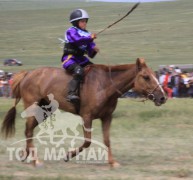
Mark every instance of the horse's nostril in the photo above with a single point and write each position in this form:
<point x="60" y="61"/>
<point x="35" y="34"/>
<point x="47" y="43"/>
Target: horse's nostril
<point x="162" y="99"/>
<point x="151" y="97"/>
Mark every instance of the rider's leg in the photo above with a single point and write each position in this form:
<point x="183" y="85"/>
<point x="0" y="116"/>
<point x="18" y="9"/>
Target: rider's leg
<point x="74" y="84"/>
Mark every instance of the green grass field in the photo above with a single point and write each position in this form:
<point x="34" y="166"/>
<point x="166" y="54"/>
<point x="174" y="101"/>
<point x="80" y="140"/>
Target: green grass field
<point x="159" y="32"/>
<point x="150" y="143"/>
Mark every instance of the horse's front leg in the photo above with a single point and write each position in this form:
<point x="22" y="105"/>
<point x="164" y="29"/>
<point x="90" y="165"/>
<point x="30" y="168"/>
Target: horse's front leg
<point x="106" y="122"/>
<point x="87" y="141"/>
<point x="76" y="133"/>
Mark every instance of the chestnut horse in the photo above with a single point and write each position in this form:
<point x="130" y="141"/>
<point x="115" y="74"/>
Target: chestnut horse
<point x="99" y="93"/>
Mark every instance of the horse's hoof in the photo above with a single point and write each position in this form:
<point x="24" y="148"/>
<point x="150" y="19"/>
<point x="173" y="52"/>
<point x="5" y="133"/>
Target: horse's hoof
<point x="70" y="154"/>
<point x="23" y="155"/>
<point x="66" y="158"/>
<point x="38" y="164"/>
<point x="115" y="165"/>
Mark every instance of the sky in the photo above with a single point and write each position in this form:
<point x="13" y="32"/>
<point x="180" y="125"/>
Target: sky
<point x="142" y="1"/>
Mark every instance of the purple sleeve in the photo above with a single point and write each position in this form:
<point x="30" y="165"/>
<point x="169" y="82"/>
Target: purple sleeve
<point x="74" y="37"/>
<point x="90" y="50"/>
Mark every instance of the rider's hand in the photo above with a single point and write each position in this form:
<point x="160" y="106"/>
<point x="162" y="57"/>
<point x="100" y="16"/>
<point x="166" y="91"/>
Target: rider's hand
<point x="93" y="36"/>
<point x="96" y="49"/>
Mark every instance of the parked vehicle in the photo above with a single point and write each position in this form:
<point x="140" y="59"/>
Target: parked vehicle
<point x="12" y="62"/>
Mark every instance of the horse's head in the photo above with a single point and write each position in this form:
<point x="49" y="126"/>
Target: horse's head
<point x="147" y="84"/>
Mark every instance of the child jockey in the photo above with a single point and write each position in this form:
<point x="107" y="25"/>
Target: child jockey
<point x="78" y="42"/>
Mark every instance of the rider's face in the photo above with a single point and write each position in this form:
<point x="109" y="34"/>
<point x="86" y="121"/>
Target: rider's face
<point x="82" y="24"/>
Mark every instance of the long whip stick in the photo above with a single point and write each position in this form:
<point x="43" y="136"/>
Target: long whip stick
<point x="134" y="7"/>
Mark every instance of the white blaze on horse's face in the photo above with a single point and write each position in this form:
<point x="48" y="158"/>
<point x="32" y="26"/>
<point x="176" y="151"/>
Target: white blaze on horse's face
<point x="156" y="94"/>
<point x="147" y="84"/>
<point x="159" y="86"/>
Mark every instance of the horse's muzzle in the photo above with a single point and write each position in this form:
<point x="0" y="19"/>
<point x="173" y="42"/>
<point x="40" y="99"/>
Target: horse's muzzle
<point x="157" y="100"/>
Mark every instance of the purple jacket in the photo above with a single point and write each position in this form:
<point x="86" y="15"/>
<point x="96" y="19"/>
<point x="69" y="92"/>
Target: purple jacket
<point x="83" y="41"/>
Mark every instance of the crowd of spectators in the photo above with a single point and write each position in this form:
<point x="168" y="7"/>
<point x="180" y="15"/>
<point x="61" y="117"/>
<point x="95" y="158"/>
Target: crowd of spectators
<point x="5" y="85"/>
<point x="176" y="82"/>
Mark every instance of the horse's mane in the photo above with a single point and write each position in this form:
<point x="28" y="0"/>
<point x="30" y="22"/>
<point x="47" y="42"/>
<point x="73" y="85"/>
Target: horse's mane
<point x="112" y="68"/>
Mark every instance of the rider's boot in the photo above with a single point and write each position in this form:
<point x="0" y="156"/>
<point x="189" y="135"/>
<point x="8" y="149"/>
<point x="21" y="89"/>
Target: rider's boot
<point x="74" y="86"/>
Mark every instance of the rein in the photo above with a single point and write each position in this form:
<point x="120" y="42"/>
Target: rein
<point x="118" y="91"/>
<point x="110" y="77"/>
<point x="150" y="95"/>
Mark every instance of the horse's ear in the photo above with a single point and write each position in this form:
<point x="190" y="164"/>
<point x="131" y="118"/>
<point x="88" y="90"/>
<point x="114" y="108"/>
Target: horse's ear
<point x="140" y="63"/>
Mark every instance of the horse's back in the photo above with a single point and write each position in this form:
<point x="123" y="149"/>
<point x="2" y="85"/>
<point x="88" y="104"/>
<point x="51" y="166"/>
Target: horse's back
<point x="45" y="76"/>
<point x="49" y="72"/>
<point x="41" y="82"/>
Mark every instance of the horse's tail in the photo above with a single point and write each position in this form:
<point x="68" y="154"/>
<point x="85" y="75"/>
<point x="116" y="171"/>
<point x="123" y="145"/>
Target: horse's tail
<point x="8" y="125"/>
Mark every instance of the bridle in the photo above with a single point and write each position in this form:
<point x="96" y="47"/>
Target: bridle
<point x="150" y="95"/>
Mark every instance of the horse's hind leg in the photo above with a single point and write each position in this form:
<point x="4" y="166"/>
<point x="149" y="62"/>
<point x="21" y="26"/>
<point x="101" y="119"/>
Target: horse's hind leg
<point x="31" y="123"/>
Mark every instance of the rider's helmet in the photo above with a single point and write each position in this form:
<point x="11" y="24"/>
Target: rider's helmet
<point x="78" y="14"/>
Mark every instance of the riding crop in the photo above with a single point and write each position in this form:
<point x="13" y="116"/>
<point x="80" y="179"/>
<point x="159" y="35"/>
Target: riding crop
<point x="134" y="7"/>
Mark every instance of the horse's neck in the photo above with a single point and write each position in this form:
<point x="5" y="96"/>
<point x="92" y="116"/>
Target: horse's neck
<point x="122" y="78"/>
<point x="119" y="79"/>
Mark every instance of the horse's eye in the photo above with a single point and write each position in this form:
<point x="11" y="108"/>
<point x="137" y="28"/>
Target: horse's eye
<point x="146" y="78"/>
